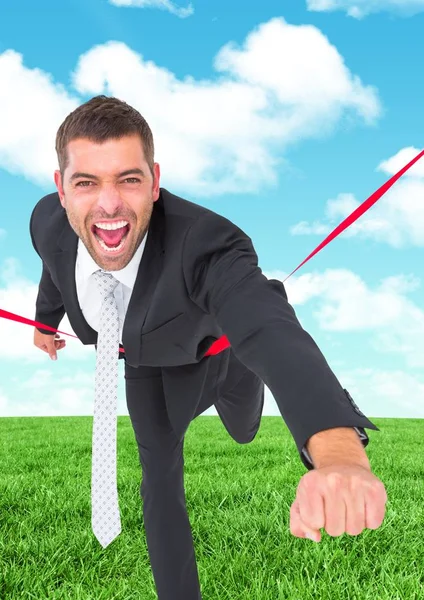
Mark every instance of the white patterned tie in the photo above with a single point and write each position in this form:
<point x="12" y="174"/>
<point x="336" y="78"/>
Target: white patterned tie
<point x="105" y="518"/>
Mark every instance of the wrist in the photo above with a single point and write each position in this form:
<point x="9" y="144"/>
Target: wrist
<point x="337" y="446"/>
<point x="343" y="461"/>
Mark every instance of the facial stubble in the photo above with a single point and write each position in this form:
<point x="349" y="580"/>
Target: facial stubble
<point x="136" y="235"/>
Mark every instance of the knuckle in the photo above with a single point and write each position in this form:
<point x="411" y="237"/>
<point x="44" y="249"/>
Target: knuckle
<point x="334" y="480"/>
<point x="309" y="481"/>
<point x="376" y="488"/>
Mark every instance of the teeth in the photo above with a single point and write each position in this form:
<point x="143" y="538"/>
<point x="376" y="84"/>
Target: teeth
<point x="117" y="225"/>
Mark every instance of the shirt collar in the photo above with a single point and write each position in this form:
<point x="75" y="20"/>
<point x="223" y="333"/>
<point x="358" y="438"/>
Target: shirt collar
<point x="127" y="275"/>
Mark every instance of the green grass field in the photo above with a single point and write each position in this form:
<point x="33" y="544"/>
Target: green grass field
<point x="238" y="499"/>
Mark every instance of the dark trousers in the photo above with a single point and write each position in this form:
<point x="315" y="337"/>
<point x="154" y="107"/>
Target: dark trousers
<point x="239" y="402"/>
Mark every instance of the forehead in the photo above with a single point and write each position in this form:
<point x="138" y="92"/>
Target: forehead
<point x="113" y="150"/>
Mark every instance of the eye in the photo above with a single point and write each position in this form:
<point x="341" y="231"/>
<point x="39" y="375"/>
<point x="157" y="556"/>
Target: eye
<point x="132" y="179"/>
<point x="81" y="183"/>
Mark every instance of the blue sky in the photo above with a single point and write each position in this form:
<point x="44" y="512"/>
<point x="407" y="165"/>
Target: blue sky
<point x="283" y="117"/>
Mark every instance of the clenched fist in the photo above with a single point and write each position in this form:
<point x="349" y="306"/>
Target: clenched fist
<point x="339" y="498"/>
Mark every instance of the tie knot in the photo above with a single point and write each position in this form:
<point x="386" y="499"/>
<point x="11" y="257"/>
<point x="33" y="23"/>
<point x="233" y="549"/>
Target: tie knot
<point x="106" y="282"/>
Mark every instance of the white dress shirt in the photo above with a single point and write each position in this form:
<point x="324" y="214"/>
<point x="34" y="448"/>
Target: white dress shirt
<point x="88" y="293"/>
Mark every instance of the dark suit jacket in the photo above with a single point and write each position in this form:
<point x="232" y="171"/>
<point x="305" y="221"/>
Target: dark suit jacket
<point x="198" y="280"/>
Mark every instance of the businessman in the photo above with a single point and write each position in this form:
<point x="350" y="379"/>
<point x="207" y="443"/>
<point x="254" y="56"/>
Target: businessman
<point x="139" y="269"/>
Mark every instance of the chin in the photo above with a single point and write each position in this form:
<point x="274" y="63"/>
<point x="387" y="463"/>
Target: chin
<point x="113" y="263"/>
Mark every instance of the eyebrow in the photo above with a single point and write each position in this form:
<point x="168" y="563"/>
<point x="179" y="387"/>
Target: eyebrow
<point x="79" y="174"/>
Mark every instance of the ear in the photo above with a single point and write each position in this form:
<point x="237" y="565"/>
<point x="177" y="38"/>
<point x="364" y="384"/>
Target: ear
<point x="59" y="185"/>
<point x="156" y="184"/>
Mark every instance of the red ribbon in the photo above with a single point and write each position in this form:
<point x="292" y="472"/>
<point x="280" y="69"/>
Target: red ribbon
<point x="222" y="343"/>
<point x="360" y="210"/>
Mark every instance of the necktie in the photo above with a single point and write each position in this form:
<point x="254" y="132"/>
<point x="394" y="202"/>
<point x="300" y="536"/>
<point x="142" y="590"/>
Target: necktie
<point x="105" y="518"/>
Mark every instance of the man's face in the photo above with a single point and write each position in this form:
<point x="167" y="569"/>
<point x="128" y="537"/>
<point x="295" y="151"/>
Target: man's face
<point x="109" y="184"/>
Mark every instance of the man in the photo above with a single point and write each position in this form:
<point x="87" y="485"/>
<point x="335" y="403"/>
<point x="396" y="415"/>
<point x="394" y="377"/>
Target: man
<point x="186" y="277"/>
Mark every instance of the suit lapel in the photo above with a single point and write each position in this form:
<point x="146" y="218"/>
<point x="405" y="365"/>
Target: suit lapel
<point x="65" y="261"/>
<point x="148" y="274"/>
<point x="147" y="277"/>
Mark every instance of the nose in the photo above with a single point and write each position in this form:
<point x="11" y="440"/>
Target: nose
<point x="109" y="199"/>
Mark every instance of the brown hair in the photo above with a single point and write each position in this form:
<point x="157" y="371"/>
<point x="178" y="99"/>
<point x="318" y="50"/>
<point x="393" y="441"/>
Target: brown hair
<point x="100" y="119"/>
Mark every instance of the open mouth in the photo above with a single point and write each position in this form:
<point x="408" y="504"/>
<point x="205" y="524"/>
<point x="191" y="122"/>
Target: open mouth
<point x="111" y="237"/>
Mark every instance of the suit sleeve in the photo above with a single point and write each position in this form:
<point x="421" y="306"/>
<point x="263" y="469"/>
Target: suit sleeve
<point x="223" y="278"/>
<point x="49" y="308"/>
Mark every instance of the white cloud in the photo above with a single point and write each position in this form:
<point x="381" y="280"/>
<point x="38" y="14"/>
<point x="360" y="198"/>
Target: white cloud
<point x="218" y="136"/>
<point x="18" y="295"/>
<point x="397" y="219"/>
<point x="226" y="134"/>
<point x="378" y="393"/>
<point x="344" y="303"/>
<point x="32" y="106"/>
<point x="395" y="163"/>
<point x="305" y="228"/>
<point x="381" y="393"/>
<point x="56" y="391"/>
<point x="361" y="8"/>
<point x="161" y="4"/>
<point x="45" y="393"/>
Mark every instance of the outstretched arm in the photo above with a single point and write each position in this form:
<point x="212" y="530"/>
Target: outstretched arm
<point x="223" y="278"/>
